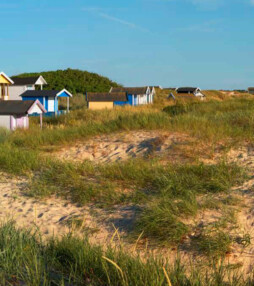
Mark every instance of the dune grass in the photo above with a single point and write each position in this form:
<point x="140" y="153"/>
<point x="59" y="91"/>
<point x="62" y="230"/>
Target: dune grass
<point x="26" y="260"/>
<point x="165" y="194"/>
<point x="64" y="133"/>
<point x="19" y="162"/>
<point x="211" y="121"/>
<point x="215" y="243"/>
<point x="159" y="180"/>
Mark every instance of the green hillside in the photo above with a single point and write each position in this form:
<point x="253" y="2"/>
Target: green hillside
<point x="76" y="81"/>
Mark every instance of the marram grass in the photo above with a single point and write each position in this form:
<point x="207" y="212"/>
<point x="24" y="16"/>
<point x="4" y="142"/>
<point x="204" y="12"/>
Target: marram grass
<point x="26" y="260"/>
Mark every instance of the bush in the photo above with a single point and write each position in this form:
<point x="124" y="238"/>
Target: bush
<point x="76" y="81"/>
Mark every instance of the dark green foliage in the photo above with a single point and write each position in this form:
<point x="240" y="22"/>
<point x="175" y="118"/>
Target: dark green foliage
<point x="75" y="81"/>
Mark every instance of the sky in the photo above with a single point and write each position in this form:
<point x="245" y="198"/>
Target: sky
<point x="204" y="43"/>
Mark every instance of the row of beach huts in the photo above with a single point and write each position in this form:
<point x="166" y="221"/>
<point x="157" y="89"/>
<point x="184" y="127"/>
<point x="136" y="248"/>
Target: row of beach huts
<point x="24" y="97"/>
<point x="21" y="98"/>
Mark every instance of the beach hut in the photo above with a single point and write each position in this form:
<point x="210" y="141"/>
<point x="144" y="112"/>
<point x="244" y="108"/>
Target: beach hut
<point x="251" y="90"/>
<point x="22" y="84"/>
<point x="5" y="82"/>
<point x="15" y="113"/>
<point x="196" y="91"/>
<point x="158" y="87"/>
<point x="97" y="101"/>
<point x="135" y="95"/>
<point x="151" y="95"/>
<point x="49" y="99"/>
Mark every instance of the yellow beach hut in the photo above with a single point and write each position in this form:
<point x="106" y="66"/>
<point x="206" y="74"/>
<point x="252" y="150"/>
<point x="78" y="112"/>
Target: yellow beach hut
<point x="5" y="81"/>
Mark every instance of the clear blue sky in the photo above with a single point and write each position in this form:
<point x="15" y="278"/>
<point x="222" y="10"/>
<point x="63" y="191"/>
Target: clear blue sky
<point x="206" y="43"/>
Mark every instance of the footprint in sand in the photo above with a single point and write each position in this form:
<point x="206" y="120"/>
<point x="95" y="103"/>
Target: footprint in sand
<point x="62" y="218"/>
<point x="129" y="148"/>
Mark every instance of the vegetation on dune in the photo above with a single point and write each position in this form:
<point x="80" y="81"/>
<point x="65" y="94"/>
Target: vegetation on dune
<point x="211" y="121"/>
<point x="26" y="260"/>
<point x="83" y="124"/>
<point x="167" y="195"/>
<point x="75" y="81"/>
<point x="218" y="95"/>
<point x="176" y="198"/>
<point x="15" y="161"/>
<point x="214" y="243"/>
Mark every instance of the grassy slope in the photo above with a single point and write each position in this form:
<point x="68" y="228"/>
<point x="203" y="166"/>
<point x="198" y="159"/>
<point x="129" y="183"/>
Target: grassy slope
<point x="173" y="189"/>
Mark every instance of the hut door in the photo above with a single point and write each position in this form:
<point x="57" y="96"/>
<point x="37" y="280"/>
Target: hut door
<point x="20" y="122"/>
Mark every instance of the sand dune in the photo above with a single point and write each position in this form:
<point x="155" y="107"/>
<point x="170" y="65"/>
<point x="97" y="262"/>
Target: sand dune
<point x="122" y="146"/>
<point x="52" y="216"/>
<point x="55" y="216"/>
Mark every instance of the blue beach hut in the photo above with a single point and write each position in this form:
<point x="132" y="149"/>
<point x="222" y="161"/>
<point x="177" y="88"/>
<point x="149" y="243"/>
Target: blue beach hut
<point x="135" y="95"/>
<point x="49" y="99"/>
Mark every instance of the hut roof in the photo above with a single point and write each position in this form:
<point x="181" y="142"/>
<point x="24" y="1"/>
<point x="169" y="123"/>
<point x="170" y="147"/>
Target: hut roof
<point x="43" y="93"/>
<point x="130" y="90"/>
<point x="106" y="96"/>
<point x="17" y="107"/>
<point x="28" y="80"/>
